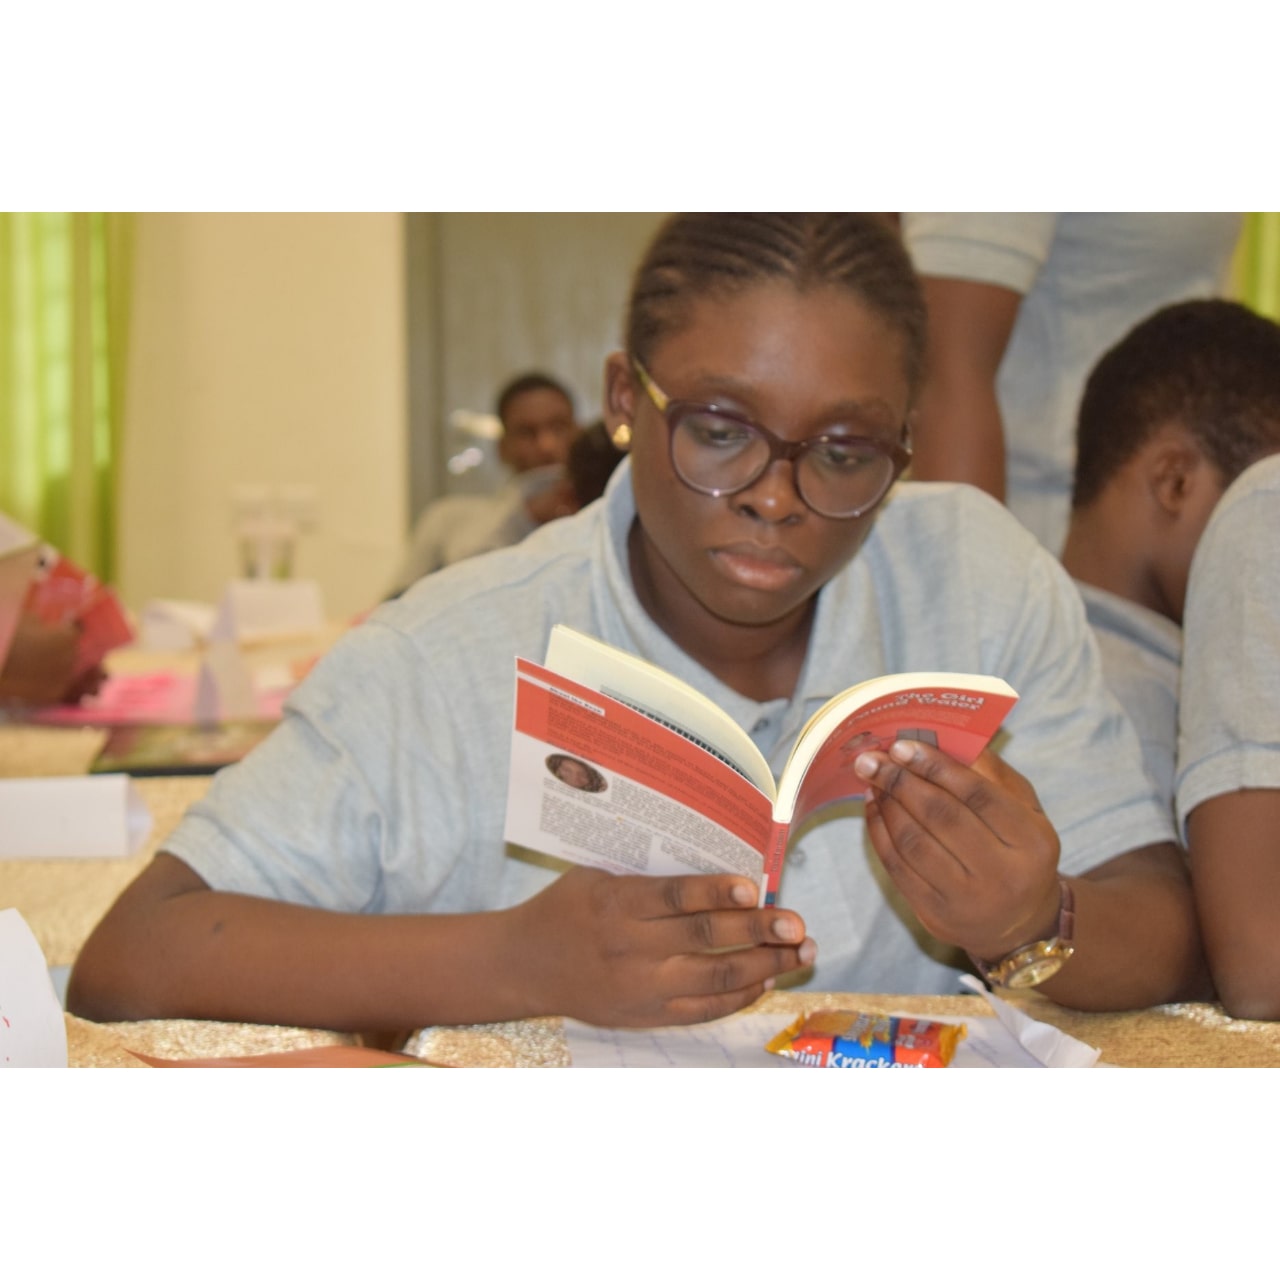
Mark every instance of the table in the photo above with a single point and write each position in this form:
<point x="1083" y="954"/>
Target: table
<point x="1182" y="1035"/>
<point x="62" y="901"/>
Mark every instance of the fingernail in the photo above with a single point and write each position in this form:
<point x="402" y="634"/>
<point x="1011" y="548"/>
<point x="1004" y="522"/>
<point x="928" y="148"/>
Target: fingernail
<point x="787" y="930"/>
<point x="866" y="766"/>
<point x="904" y="752"/>
<point x="808" y="952"/>
<point x="743" y="894"/>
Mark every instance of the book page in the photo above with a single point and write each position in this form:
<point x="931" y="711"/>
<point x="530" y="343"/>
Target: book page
<point x="595" y="782"/>
<point x="659" y="695"/>
<point x="958" y="713"/>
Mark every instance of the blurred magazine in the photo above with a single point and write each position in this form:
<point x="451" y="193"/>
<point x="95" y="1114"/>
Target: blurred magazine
<point x="153" y="750"/>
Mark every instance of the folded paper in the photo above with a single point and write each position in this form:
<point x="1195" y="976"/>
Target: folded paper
<point x="33" y="1032"/>
<point x="253" y="609"/>
<point x="175" y="624"/>
<point x="91" y="817"/>
<point x="224" y="688"/>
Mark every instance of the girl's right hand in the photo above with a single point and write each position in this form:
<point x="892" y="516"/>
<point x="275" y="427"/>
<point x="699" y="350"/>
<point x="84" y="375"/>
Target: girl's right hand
<point x="634" y="951"/>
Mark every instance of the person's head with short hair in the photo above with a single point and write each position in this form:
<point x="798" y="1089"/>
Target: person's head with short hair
<point x="538" y="422"/>
<point x="576" y="773"/>
<point x="1169" y="417"/>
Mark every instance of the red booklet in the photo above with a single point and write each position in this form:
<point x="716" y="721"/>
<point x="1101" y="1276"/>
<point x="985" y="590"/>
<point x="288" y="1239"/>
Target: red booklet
<point x="61" y="591"/>
<point x="617" y="764"/>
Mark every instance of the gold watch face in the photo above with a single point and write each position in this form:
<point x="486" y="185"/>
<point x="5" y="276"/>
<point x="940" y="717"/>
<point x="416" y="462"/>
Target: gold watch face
<point x="1034" y="964"/>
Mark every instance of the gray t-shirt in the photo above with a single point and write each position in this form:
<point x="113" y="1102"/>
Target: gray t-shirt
<point x="1086" y="280"/>
<point x="1229" y="735"/>
<point x="1141" y="654"/>
<point x="384" y="789"/>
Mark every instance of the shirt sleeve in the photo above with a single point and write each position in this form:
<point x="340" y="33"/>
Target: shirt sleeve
<point x="1229" y="732"/>
<point x="316" y="815"/>
<point x="1006" y="249"/>
<point x="1069" y="735"/>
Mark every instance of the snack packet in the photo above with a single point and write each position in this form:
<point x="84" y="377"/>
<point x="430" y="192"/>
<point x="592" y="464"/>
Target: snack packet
<point x="848" y="1038"/>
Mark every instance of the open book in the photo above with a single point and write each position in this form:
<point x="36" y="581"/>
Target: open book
<point x="617" y="764"/>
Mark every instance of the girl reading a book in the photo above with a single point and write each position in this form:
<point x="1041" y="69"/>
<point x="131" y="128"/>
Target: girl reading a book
<point x="352" y="872"/>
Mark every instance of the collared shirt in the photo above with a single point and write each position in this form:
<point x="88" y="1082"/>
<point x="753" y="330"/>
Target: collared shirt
<point x="384" y="789"/>
<point x="1141" y="657"/>
<point x="1086" y="280"/>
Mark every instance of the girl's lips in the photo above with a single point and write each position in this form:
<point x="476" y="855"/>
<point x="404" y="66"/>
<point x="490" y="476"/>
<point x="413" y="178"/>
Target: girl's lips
<point x="759" y="567"/>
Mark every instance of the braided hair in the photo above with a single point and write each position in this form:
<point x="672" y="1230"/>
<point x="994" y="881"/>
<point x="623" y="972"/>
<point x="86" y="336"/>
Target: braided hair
<point x="695" y="255"/>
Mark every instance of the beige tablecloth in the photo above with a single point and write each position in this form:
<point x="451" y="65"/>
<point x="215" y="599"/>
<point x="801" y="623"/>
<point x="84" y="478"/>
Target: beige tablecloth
<point x="1187" y="1035"/>
<point x="63" y="900"/>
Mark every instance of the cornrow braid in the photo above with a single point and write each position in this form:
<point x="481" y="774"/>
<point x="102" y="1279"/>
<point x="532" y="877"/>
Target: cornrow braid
<point x="697" y="255"/>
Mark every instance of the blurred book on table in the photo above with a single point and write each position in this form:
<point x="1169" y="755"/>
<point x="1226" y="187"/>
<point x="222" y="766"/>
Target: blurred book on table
<point x="166" y="750"/>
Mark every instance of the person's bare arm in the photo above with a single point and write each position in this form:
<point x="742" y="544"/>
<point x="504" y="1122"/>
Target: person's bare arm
<point x="1136" y="937"/>
<point x="977" y="858"/>
<point x="1235" y="869"/>
<point x="959" y="433"/>
<point x="624" y="950"/>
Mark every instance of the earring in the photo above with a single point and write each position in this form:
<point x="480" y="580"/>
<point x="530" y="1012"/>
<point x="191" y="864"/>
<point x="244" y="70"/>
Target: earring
<point x="622" y="436"/>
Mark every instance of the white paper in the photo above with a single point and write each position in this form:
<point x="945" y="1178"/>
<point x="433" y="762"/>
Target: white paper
<point x="254" y="609"/>
<point x="33" y="1032"/>
<point x="224" y="688"/>
<point x="102" y="816"/>
<point x="739" y="1041"/>
<point x="1047" y="1045"/>
<point x="732" y="1042"/>
<point x="174" y="624"/>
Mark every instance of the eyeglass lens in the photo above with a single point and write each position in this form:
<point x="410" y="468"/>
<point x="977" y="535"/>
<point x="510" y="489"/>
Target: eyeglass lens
<point x="836" y="478"/>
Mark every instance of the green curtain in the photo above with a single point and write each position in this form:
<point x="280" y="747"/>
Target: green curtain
<point x="1257" y="264"/>
<point x="64" y="306"/>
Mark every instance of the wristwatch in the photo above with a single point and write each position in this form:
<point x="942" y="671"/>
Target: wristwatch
<point x="1036" y="962"/>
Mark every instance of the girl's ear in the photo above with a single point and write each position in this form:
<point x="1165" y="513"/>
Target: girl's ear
<point x="619" y="398"/>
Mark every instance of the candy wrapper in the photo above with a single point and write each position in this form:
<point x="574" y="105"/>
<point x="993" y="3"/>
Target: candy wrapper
<point x="847" y="1038"/>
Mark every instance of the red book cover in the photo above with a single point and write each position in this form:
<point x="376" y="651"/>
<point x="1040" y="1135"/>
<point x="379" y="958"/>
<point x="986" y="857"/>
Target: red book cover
<point x="61" y="591"/>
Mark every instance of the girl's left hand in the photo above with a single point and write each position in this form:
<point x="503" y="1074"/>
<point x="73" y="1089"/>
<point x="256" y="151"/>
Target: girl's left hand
<point x="969" y="847"/>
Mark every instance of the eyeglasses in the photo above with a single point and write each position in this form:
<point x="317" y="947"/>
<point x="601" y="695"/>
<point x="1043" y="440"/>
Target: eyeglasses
<point x="717" y="452"/>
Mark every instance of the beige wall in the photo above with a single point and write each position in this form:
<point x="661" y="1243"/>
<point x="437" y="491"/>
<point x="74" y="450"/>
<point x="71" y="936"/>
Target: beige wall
<point x="265" y="348"/>
<point x="534" y="290"/>
<point x="275" y="349"/>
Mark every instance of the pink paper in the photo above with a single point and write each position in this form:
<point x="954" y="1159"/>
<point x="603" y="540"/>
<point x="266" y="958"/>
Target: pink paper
<point x="156" y="697"/>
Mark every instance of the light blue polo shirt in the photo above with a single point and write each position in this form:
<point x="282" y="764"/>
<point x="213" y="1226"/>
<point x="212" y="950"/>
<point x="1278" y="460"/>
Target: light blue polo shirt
<point x="1229" y="736"/>
<point x="1141" y="657"/>
<point x="1085" y="279"/>
<point x="384" y="788"/>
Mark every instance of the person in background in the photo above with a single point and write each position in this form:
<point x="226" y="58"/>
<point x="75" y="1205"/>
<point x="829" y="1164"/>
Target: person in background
<point x="538" y="422"/>
<point x="1228" y="787"/>
<point x="1170" y="416"/>
<point x="538" y="427"/>
<point x="593" y="458"/>
<point x="352" y="873"/>
<point x="1021" y="305"/>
